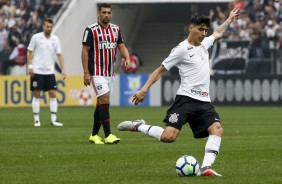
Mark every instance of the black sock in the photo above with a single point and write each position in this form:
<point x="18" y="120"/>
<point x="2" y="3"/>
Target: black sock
<point x="97" y="122"/>
<point x="104" y="115"/>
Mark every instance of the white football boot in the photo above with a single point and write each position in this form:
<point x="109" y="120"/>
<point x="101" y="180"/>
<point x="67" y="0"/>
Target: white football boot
<point x="131" y="125"/>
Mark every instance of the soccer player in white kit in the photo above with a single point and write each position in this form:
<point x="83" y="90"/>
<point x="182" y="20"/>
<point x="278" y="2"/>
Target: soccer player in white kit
<point x="41" y="53"/>
<point x="192" y="103"/>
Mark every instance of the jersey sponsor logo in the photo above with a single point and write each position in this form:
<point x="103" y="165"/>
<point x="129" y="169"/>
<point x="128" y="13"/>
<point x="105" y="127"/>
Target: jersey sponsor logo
<point x="107" y="45"/>
<point x="199" y="93"/>
<point x="173" y="118"/>
<point x="189" y="48"/>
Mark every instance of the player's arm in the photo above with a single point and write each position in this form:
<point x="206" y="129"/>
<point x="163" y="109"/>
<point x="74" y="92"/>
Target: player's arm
<point x="125" y="54"/>
<point x="84" y="59"/>
<point x="86" y="44"/>
<point x="62" y="63"/>
<point x="140" y="95"/>
<point x="29" y="62"/>
<point x="234" y="14"/>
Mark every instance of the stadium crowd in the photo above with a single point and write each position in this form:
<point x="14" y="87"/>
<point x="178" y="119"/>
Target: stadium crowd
<point x="19" y="20"/>
<point x="260" y="22"/>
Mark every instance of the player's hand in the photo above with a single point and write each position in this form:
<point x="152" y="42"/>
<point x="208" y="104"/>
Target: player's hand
<point x="138" y="97"/>
<point x="30" y="71"/>
<point x="235" y="13"/>
<point x="64" y="75"/>
<point x="127" y="64"/>
<point x="87" y="79"/>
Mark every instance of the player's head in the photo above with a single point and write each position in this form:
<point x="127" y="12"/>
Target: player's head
<point x="48" y="26"/>
<point x="198" y="28"/>
<point x="104" y="13"/>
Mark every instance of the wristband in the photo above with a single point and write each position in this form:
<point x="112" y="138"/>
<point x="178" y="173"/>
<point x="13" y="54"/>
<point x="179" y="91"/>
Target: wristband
<point x="30" y="67"/>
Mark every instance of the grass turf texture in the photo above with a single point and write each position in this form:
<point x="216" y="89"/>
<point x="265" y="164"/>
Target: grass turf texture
<point x="250" y="151"/>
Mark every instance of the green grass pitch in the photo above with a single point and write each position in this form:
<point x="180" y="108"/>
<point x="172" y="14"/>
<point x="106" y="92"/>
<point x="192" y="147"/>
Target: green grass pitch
<point x="250" y="153"/>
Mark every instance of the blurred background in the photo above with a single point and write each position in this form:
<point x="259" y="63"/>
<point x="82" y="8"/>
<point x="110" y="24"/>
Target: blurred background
<point x="246" y="65"/>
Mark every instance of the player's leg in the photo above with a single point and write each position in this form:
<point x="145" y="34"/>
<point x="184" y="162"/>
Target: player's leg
<point x="214" y="131"/>
<point x="167" y="135"/>
<point x="211" y="149"/>
<point x="51" y="87"/>
<point x="36" y="107"/>
<point x="101" y="87"/>
<point x="175" y="118"/>
<point x="36" y="87"/>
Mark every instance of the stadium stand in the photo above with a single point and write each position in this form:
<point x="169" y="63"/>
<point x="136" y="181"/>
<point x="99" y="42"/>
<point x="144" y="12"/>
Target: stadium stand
<point x="21" y="19"/>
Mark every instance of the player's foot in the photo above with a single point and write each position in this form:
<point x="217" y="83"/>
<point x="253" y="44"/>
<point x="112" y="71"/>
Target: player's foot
<point x="56" y="123"/>
<point x="207" y="171"/>
<point x="131" y="125"/>
<point x="112" y="139"/>
<point x="37" y="124"/>
<point x="96" y="139"/>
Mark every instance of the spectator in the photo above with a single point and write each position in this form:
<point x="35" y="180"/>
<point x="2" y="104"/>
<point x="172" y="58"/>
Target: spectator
<point x="134" y="63"/>
<point x="9" y="8"/>
<point x="18" y="59"/>
<point x="4" y="58"/>
<point x="41" y="12"/>
<point x="13" y="36"/>
<point x="3" y="35"/>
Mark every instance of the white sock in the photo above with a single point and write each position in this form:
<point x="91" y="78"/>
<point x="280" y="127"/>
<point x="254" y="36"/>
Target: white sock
<point x="36" y="108"/>
<point x="152" y="131"/>
<point x="53" y="109"/>
<point x="211" y="150"/>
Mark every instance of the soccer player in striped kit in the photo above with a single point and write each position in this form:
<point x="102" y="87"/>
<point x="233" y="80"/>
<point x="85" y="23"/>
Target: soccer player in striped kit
<point x="99" y="47"/>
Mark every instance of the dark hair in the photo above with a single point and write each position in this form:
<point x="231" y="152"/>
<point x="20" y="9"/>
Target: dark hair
<point x="103" y="5"/>
<point x="49" y="21"/>
<point x="200" y="19"/>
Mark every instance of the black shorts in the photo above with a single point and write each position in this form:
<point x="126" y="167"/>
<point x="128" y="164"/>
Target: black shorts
<point x="43" y="82"/>
<point x="200" y="115"/>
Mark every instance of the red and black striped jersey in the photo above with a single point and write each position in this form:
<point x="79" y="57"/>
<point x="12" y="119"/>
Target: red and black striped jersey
<point x="103" y="44"/>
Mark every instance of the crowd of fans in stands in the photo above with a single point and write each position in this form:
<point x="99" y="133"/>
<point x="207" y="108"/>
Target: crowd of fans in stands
<point x="260" y="22"/>
<point x="19" y="20"/>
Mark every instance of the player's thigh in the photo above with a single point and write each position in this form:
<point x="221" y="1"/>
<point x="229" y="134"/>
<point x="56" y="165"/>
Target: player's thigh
<point x="50" y="83"/>
<point x="52" y="93"/>
<point x="104" y="99"/>
<point x="178" y="113"/>
<point x="206" y="117"/>
<point x="101" y="85"/>
<point x="37" y="83"/>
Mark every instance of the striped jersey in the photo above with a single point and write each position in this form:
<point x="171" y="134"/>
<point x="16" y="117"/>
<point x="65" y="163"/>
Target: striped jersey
<point x="103" y="44"/>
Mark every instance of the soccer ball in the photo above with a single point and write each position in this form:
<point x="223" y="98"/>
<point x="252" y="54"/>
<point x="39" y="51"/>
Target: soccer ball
<point x="187" y="166"/>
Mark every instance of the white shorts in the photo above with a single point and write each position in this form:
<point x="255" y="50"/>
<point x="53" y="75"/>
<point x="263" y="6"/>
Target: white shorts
<point x="102" y="85"/>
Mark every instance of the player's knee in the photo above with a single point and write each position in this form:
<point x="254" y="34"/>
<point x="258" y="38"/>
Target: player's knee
<point x="168" y="138"/>
<point x="104" y="99"/>
<point x="216" y="129"/>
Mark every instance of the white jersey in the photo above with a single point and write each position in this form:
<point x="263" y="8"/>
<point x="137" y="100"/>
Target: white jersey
<point x="194" y="68"/>
<point x="45" y="52"/>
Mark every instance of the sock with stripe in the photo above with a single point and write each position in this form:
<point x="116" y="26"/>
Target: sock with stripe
<point x="36" y="108"/>
<point x="97" y="123"/>
<point x="152" y="131"/>
<point x="53" y="109"/>
<point x="104" y="117"/>
<point x="211" y="150"/>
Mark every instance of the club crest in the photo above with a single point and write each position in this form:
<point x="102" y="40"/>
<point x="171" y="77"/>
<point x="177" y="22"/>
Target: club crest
<point x="173" y="118"/>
